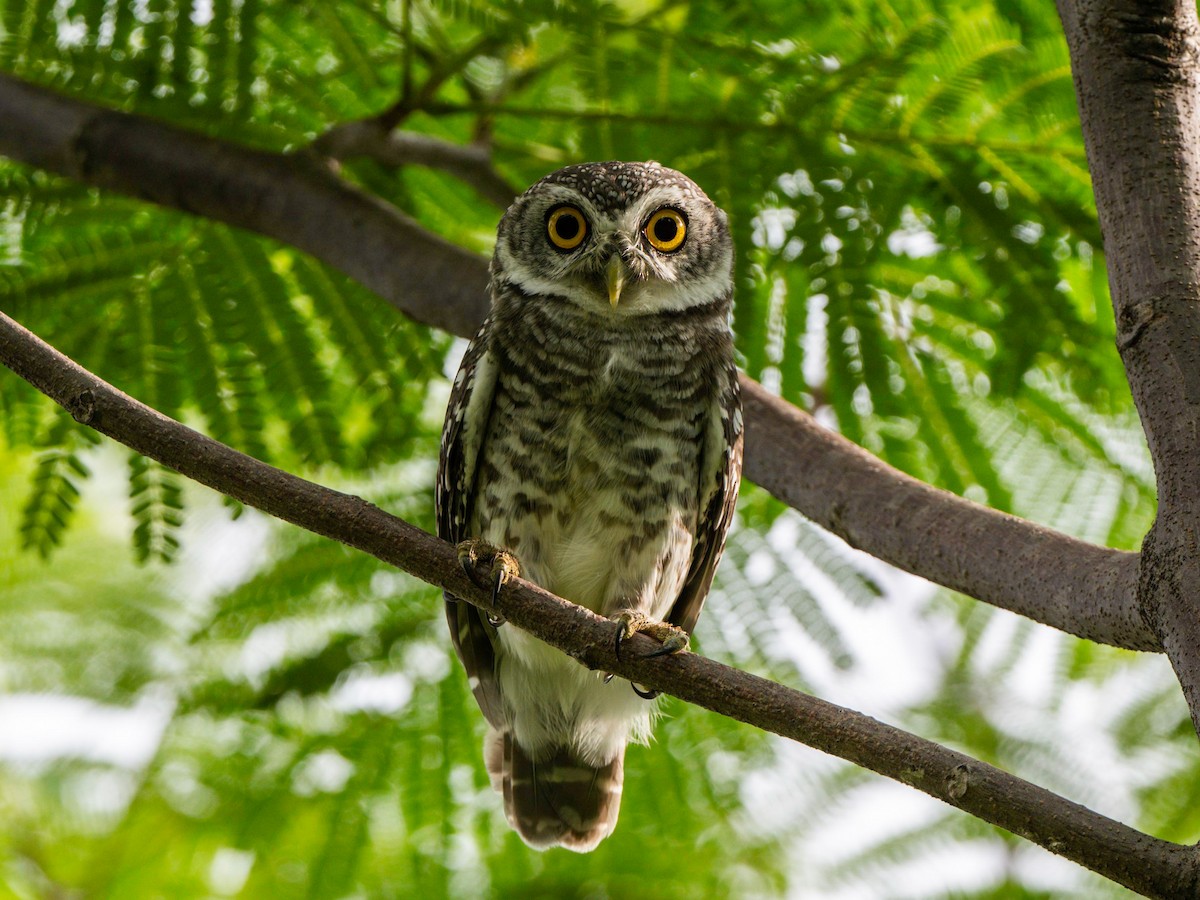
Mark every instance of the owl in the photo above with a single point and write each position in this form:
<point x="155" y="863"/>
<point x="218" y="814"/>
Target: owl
<point x="593" y="445"/>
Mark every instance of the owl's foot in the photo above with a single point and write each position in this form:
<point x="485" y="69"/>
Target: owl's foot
<point x="673" y="638"/>
<point x="488" y="566"/>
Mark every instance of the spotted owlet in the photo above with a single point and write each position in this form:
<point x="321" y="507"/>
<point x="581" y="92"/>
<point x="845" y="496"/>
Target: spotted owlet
<point x="593" y="443"/>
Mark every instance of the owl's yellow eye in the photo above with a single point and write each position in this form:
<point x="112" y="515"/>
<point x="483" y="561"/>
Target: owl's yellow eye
<point x="665" y="230"/>
<point x="566" y="227"/>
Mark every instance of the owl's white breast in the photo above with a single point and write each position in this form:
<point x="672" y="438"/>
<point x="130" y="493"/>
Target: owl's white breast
<point x="582" y="549"/>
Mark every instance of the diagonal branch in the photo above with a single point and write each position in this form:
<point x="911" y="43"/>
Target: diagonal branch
<point x="294" y="198"/>
<point x="1085" y="590"/>
<point x="993" y="556"/>
<point x="1152" y="866"/>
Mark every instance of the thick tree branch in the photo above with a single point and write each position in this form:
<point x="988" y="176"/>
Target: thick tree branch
<point x="1136" y="65"/>
<point x="1155" y="867"/>
<point x="1006" y="561"/>
<point x="1084" y="590"/>
<point x="295" y="199"/>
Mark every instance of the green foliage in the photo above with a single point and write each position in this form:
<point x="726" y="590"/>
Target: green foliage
<point x="55" y="486"/>
<point x="919" y="265"/>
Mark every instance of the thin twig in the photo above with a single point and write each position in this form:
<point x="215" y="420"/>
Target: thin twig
<point x="740" y="125"/>
<point x="411" y="101"/>
<point x="471" y="164"/>
<point x="406" y="27"/>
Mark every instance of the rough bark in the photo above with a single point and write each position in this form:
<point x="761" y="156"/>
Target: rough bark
<point x="1001" y="559"/>
<point x="294" y="198"/>
<point x="1085" y="590"/>
<point x="1146" y="864"/>
<point x="1137" y="76"/>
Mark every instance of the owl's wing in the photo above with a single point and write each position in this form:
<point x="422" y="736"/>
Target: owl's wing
<point x="467" y="417"/>
<point x="720" y="476"/>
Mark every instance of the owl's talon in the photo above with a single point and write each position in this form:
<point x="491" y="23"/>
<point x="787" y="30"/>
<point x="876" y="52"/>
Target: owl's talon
<point x="676" y="640"/>
<point x="488" y="566"/>
<point x="673" y="638"/>
<point x="617" y="642"/>
<point x="645" y="695"/>
<point x="608" y="676"/>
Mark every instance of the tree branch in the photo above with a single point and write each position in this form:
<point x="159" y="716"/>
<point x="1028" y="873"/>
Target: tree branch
<point x="293" y="198"/>
<point x="1082" y="589"/>
<point x="1001" y="559"/>
<point x="470" y="164"/>
<point x="1152" y="866"/>
<point x="1136" y="65"/>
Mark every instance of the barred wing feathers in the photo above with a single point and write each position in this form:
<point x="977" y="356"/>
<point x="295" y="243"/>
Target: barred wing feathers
<point x="720" y="477"/>
<point x="467" y="417"/>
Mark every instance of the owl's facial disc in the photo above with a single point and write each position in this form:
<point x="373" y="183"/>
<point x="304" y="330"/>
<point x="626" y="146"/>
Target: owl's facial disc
<point x="619" y="239"/>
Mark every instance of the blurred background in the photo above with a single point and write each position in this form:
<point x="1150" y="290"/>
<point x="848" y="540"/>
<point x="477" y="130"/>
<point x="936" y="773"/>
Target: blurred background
<point x="196" y="700"/>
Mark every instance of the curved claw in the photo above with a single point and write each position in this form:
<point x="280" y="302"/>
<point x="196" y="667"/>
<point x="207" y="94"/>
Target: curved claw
<point x="620" y="638"/>
<point x="500" y="577"/>
<point x="670" y="645"/>
<point x="477" y="557"/>
<point x="645" y="695"/>
<point x="673" y="638"/>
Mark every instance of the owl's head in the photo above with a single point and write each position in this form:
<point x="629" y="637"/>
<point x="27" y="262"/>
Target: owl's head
<point x="619" y="238"/>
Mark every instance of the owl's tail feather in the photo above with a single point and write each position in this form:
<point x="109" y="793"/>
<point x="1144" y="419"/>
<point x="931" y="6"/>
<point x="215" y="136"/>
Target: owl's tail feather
<point x="557" y="801"/>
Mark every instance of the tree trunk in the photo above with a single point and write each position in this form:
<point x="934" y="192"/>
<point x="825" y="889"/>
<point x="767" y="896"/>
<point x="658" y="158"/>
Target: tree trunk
<point x="1137" y="78"/>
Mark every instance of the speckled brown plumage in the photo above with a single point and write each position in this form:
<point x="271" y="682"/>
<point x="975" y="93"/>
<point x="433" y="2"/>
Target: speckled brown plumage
<point x="599" y="440"/>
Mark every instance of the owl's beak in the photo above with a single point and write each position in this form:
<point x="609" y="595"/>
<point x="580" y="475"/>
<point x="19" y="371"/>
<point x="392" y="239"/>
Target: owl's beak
<point x="615" y="274"/>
